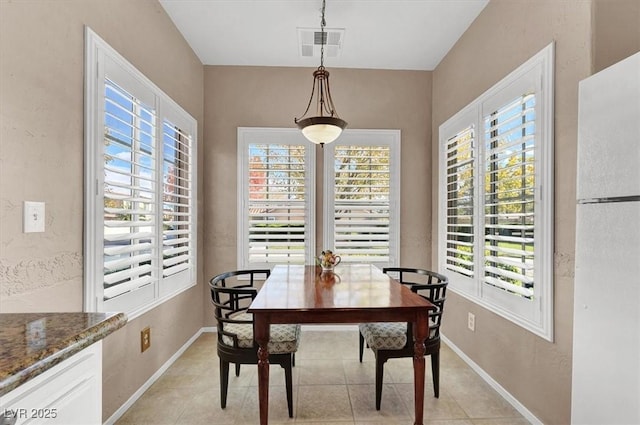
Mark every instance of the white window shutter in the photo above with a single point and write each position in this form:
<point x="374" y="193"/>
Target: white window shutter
<point x="362" y="218"/>
<point x="276" y="198"/>
<point x="129" y="192"/>
<point x="460" y="202"/>
<point x="276" y="204"/>
<point x="178" y="199"/>
<point x="510" y="196"/>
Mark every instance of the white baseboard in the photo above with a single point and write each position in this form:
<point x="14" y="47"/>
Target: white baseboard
<point x="493" y="383"/>
<point x="121" y="411"/>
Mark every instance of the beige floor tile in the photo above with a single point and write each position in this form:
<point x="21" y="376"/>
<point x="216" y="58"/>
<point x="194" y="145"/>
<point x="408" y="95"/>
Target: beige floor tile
<point x="161" y="407"/>
<point x="278" y="410"/>
<point x="501" y="421"/>
<point x="174" y="381"/>
<point x="276" y="375"/>
<point x="328" y="345"/>
<point x="333" y="423"/>
<point x="320" y="372"/>
<point x="330" y="387"/>
<point x="363" y="403"/>
<point x="449" y="359"/>
<point x="203" y="407"/>
<point x="444" y="407"/>
<point x="401" y="370"/>
<point x="485" y="404"/>
<point x="323" y="402"/>
<point x="363" y="373"/>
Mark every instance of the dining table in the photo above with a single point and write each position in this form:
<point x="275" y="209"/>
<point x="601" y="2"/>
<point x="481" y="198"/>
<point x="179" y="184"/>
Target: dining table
<point x="351" y="293"/>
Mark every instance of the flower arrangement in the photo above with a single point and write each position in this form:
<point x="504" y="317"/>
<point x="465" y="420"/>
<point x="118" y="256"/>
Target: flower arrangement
<point x="328" y="260"/>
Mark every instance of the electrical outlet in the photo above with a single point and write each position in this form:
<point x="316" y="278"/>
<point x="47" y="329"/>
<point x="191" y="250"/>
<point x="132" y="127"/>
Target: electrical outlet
<point x="471" y="322"/>
<point x="145" y="339"/>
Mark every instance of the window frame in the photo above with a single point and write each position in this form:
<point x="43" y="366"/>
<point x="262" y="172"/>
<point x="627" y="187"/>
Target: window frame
<point x="276" y="136"/>
<point x="368" y="138"/>
<point x="102" y="62"/>
<point x="536" y="314"/>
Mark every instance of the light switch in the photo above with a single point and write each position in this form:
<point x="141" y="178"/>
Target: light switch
<point x="33" y="217"/>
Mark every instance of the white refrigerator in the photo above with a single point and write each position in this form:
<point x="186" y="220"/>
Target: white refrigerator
<point x="606" y="329"/>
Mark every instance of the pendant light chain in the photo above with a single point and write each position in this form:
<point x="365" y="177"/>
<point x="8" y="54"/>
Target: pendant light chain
<point x="326" y="126"/>
<point x="322" y="25"/>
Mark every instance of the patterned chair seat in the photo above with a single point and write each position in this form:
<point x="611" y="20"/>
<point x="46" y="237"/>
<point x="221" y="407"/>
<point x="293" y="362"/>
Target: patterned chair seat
<point x="283" y="338"/>
<point x="386" y="335"/>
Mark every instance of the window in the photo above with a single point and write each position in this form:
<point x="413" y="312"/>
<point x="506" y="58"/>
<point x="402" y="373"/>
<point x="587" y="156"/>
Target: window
<point x="140" y="195"/>
<point x="276" y="202"/>
<point x="496" y="197"/>
<point x="276" y="197"/>
<point x="362" y="196"/>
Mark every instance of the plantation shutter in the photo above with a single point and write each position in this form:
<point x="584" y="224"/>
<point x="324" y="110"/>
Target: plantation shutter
<point x="178" y="236"/>
<point x="460" y="175"/>
<point x="140" y="190"/>
<point x="511" y="269"/>
<point x="129" y="191"/>
<point x="277" y="204"/>
<point x="510" y="196"/>
<point x="362" y="203"/>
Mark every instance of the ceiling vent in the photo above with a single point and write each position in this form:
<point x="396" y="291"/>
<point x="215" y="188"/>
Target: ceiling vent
<point x="310" y="42"/>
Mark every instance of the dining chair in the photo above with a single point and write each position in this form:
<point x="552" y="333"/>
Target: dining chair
<point x="231" y="295"/>
<point x="395" y="339"/>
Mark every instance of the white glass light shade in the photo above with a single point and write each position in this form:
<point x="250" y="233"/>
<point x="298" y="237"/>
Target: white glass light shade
<point x="321" y="130"/>
<point x="321" y="133"/>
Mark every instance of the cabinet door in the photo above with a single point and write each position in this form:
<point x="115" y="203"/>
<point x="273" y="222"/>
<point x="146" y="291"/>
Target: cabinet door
<point x="70" y="393"/>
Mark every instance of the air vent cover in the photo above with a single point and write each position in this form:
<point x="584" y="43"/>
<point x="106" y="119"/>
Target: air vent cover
<point x="310" y="42"/>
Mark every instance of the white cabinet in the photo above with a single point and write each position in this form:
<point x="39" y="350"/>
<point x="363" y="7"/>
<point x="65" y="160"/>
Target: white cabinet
<point x="67" y="394"/>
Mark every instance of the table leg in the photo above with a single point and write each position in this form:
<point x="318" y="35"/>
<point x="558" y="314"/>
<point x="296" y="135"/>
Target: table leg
<point x="420" y="331"/>
<point x="261" y="335"/>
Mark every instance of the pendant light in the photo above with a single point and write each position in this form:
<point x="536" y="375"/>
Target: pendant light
<point x="326" y="126"/>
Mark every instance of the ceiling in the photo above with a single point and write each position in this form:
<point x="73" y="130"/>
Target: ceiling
<point x="378" y="34"/>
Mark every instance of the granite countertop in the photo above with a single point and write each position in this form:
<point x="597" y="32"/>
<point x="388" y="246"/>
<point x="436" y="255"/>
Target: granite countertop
<point x="31" y="343"/>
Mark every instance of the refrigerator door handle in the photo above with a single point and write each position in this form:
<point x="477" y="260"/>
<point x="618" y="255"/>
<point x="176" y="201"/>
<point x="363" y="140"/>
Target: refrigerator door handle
<point x="632" y="198"/>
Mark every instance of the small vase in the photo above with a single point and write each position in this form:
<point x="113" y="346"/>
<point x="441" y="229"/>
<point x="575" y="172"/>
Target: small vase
<point x="327" y="269"/>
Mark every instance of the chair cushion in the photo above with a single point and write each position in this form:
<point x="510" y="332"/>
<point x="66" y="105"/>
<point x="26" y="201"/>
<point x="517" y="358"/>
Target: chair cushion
<point x="387" y="335"/>
<point x="283" y="338"/>
<point x="384" y="335"/>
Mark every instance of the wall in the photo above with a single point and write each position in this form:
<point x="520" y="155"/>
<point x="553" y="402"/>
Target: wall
<point x="505" y="34"/>
<point x="272" y="97"/>
<point x="616" y="31"/>
<point x="41" y="159"/>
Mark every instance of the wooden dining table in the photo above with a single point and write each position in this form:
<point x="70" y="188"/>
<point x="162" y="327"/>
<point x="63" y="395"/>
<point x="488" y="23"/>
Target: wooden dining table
<point x="352" y="293"/>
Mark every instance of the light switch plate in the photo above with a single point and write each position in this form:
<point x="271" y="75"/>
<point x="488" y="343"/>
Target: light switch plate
<point x="33" y="220"/>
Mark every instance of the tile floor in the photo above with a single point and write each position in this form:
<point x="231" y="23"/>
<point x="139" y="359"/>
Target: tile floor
<point x="330" y="386"/>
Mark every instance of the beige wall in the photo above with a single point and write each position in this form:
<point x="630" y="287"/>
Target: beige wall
<point x="272" y="97"/>
<point x="507" y="33"/>
<point x="41" y="159"/>
<point x="616" y="32"/>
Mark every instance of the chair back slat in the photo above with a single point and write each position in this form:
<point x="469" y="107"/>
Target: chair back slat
<point x="231" y="295"/>
<point x="429" y="285"/>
